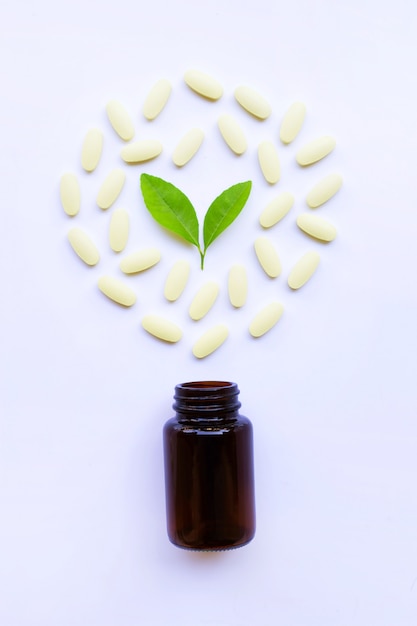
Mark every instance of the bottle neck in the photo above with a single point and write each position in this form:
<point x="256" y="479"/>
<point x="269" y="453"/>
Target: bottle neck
<point x="203" y="401"/>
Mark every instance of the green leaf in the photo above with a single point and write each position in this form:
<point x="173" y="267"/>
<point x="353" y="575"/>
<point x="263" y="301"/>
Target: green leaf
<point x="170" y="207"/>
<point x="224" y="210"/>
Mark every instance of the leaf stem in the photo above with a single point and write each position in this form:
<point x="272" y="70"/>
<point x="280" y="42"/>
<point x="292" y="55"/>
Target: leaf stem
<point x="202" y="255"/>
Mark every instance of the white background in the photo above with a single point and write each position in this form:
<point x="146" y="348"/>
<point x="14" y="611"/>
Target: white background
<point x="331" y="390"/>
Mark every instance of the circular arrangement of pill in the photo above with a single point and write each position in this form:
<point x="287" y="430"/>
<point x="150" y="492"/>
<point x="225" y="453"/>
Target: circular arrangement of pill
<point x="173" y="285"/>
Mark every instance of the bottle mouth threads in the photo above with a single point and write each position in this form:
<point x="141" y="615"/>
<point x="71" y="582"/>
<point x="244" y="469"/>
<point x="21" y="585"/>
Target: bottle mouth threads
<point x="206" y="398"/>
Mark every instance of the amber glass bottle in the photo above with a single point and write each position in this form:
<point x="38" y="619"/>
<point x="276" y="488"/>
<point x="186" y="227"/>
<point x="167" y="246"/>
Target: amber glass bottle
<point x="208" y="450"/>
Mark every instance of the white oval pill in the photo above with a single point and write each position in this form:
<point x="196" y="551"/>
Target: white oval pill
<point x="315" y="150"/>
<point x="324" y="190"/>
<point x="140" y="151"/>
<point x="204" y="85"/>
<point x="111" y="188"/>
<point x="120" y="120"/>
<point x="140" y="260"/>
<point x="119" y="230"/>
<point x="92" y="149"/>
<point x="232" y="133"/>
<point x="292" y="122"/>
<point x="268" y="257"/>
<point x="187" y="147"/>
<point x="276" y="209"/>
<point x="157" y="99"/>
<point x="269" y="162"/>
<point x="316" y="227"/>
<point x="83" y="246"/>
<point x="210" y="341"/>
<point x="238" y="285"/>
<point x="266" y="319"/>
<point x="116" y="290"/>
<point x="162" y="328"/>
<point x="176" y="280"/>
<point x="69" y="190"/>
<point x="253" y="102"/>
<point x="303" y="270"/>
<point x="203" y="300"/>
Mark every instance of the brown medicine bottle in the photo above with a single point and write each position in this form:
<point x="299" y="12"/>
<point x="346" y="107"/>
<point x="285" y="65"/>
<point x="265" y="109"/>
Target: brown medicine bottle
<point x="209" y="479"/>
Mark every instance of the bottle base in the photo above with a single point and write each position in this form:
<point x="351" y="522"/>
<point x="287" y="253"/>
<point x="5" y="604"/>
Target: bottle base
<point x="220" y="548"/>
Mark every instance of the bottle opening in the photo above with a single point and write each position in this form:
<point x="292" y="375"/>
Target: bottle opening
<point x="206" y="384"/>
<point x="209" y="398"/>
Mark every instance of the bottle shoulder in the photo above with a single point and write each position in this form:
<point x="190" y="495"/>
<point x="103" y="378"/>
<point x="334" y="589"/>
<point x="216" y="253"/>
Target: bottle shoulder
<point x="239" y="422"/>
